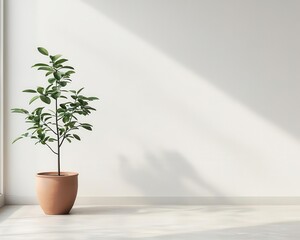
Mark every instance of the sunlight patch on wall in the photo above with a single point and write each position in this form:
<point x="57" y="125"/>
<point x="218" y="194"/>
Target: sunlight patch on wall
<point x="152" y="104"/>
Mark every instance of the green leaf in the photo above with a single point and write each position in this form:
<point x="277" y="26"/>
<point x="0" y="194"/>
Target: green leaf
<point x="42" y="136"/>
<point x="63" y="83"/>
<point x="45" y="99"/>
<point x="40" y="65"/>
<point x="19" y="110"/>
<point x="54" y="58"/>
<point x="86" y="124"/>
<point x="57" y="75"/>
<point x="47" y="118"/>
<point x="82" y="97"/>
<point x="31" y="128"/>
<point x="45" y="114"/>
<point x="45" y="140"/>
<point x="25" y="134"/>
<point x="33" y="99"/>
<point x="68" y="67"/>
<point x="60" y="110"/>
<point x="17" y="139"/>
<point x="40" y="90"/>
<point x="92" y="98"/>
<point x="69" y="72"/>
<point x="90" y="108"/>
<point x="43" y="51"/>
<point x="77" y="104"/>
<point x="54" y="88"/>
<point x="79" y="90"/>
<point x="55" y="95"/>
<point x="60" y="61"/>
<point x="77" y="137"/>
<point x="37" y="119"/>
<point x="51" y="80"/>
<point x="38" y="110"/>
<point x="39" y="131"/>
<point x="83" y="103"/>
<point x="48" y="73"/>
<point x="66" y="118"/>
<point x="86" y="127"/>
<point x="45" y="68"/>
<point x="71" y="124"/>
<point x="61" y="131"/>
<point x="29" y="91"/>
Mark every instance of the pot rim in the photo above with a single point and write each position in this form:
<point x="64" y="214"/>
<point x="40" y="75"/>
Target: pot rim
<point x="54" y="174"/>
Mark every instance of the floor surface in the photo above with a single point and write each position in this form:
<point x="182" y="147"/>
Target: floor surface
<point x="153" y="223"/>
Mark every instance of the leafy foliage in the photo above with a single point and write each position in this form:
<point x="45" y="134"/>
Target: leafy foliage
<point x="58" y="119"/>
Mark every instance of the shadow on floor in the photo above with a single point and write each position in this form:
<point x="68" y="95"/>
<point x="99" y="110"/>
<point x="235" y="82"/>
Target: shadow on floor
<point x="274" y="231"/>
<point x="156" y="223"/>
<point x="7" y="211"/>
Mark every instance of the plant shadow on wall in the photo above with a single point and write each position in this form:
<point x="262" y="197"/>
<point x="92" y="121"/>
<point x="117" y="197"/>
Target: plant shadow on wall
<point x="166" y="174"/>
<point x="248" y="49"/>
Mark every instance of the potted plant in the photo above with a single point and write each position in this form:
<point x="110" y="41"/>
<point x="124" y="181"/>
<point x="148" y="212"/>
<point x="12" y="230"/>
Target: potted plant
<point x="54" y="122"/>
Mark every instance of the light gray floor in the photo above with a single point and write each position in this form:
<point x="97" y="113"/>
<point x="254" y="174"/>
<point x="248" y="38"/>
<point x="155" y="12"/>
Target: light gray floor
<point x="153" y="222"/>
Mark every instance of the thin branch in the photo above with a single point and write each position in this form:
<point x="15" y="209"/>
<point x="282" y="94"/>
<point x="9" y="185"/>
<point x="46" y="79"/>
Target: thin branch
<point x="62" y="140"/>
<point x="49" y="128"/>
<point x="64" y="136"/>
<point x="51" y="148"/>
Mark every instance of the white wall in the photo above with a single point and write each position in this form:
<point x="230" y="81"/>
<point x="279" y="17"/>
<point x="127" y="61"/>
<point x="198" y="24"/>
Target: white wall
<point x="198" y="98"/>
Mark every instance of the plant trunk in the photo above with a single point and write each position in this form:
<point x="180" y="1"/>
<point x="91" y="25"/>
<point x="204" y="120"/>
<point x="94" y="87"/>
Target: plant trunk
<point x="58" y="158"/>
<point x="58" y="144"/>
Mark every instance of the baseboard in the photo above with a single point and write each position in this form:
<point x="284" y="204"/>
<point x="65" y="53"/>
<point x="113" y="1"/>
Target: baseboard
<point x="26" y="200"/>
<point x="2" y="200"/>
<point x="188" y="200"/>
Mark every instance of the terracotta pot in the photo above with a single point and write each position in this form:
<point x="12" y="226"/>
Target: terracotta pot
<point x="56" y="194"/>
